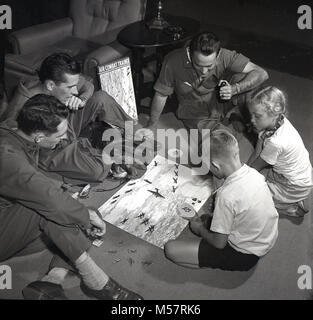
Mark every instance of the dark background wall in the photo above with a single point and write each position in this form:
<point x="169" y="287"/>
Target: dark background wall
<point x="277" y="18"/>
<point x="28" y="12"/>
<point x="272" y="18"/>
<point x="2" y="51"/>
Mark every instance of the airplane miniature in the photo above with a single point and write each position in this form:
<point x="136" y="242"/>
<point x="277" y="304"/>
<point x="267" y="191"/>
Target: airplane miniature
<point x="156" y="193"/>
<point x="141" y="216"/>
<point x="150" y="229"/>
<point x="145" y="222"/>
<point x="175" y="180"/>
<point x="174" y="189"/>
<point x="124" y="221"/>
<point x="176" y="166"/>
<point x="176" y="173"/>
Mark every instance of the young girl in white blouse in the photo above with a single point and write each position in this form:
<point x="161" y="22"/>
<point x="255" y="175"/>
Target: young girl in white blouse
<point x="281" y="148"/>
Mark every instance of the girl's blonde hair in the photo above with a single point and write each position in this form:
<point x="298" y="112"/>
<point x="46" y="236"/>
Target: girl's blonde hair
<point x="272" y="98"/>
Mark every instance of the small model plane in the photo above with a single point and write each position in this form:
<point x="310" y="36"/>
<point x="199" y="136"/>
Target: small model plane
<point x="124" y="221"/>
<point x="150" y="229"/>
<point x="145" y="222"/>
<point x="156" y="193"/>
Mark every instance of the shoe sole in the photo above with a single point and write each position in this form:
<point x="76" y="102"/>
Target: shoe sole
<point x="31" y="293"/>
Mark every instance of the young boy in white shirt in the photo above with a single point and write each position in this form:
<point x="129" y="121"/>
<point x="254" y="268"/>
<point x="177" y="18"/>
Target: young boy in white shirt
<point x="244" y="223"/>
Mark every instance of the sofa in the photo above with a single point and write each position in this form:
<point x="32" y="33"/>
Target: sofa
<point x="89" y="33"/>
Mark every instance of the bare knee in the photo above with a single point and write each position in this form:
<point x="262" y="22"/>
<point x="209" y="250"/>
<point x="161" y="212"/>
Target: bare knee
<point x="170" y="250"/>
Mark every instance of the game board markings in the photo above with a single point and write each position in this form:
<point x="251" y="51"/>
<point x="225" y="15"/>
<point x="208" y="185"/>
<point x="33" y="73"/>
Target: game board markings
<point x="145" y="222"/>
<point x="156" y="193"/>
<point x="124" y="221"/>
<point x="141" y="216"/>
<point x="150" y="229"/>
<point x="165" y="191"/>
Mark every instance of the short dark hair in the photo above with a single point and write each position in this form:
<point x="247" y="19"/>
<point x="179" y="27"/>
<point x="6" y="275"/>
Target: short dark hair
<point x="206" y="43"/>
<point x="56" y="65"/>
<point x="41" y="113"/>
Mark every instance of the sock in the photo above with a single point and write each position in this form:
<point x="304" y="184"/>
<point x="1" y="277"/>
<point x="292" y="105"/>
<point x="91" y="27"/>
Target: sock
<point x="93" y="276"/>
<point x="55" y="275"/>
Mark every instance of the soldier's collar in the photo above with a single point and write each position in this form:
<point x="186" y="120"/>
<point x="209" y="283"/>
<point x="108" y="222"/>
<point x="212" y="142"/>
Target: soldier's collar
<point x="11" y="127"/>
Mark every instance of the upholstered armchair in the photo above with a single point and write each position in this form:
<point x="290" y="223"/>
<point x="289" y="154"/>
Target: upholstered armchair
<point x="89" y="33"/>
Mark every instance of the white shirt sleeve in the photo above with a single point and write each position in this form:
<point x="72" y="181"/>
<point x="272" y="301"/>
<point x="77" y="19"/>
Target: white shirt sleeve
<point x="270" y="152"/>
<point x="223" y="216"/>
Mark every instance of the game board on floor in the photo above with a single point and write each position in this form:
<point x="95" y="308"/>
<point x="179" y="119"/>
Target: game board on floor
<point x="147" y="207"/>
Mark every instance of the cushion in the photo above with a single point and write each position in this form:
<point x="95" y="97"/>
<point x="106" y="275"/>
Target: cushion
<point x="30" y="63"/>
<point x="94" y="17"/>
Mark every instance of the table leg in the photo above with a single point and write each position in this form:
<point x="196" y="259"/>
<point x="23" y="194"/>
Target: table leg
<point x="159" y="60"/>
<point x="137" y="72"/>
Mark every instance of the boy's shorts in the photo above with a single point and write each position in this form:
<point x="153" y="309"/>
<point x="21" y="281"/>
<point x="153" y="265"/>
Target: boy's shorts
<point x="225" y="259"/>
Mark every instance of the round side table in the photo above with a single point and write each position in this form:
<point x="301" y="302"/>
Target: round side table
<point x="138" y="37"/>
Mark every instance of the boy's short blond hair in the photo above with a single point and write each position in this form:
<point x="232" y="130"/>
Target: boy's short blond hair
<point x="223" y="145"/>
